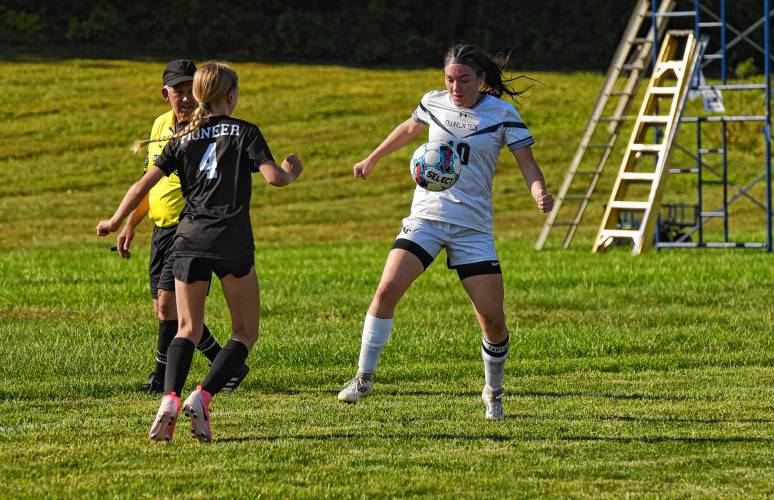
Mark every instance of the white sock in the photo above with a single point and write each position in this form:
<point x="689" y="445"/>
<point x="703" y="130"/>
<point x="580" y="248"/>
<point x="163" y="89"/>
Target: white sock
<point x="494" y="356"/>
<point x="376" y="333"/>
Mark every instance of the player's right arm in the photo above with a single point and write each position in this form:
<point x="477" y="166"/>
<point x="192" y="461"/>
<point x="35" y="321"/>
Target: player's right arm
<point x="125" y="237"/>
<point x="402" y="135"/>
<point x="131" y="200"/>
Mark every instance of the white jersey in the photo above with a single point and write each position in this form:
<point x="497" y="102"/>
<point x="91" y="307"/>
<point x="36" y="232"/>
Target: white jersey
<point x="477" y="134"/>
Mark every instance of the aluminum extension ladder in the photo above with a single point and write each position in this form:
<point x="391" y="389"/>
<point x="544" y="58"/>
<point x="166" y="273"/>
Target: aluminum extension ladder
<point x="644" y="164"/>
<point x="631" y="59"/>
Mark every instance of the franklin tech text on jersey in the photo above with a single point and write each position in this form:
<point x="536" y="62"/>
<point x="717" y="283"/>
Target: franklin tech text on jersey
<point x="464" y="126"/>
<point x="218" y="130"/>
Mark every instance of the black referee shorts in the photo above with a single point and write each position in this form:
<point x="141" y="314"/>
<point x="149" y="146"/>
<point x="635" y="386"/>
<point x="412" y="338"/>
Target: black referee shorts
<point x="161" y="277"/>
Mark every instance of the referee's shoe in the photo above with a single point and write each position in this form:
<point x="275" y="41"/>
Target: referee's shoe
<point x="154" y="385"/>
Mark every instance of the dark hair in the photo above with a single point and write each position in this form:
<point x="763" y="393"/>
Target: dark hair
<point x="494" y="83"/>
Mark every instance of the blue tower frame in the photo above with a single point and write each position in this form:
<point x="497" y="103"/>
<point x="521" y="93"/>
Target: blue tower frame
<point x="702" y="216"/>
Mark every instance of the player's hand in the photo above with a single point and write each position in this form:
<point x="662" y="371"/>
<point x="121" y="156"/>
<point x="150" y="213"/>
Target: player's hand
<point x="123" y="241"/>
<point x="292" y="165"/>
<point x="105" y="227"/>
<point x="363" y="169"/>
<point x="545" y="201"/>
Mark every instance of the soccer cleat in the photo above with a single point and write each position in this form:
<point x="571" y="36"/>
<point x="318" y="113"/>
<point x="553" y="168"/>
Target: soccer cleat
<point x="197" y="408"/>
<point x="163" y="426"/>
<point x="359" y="387"/>
<point x="493" y="401"/>
<point x="237" y="379"/>
<point x="154" y="385"/>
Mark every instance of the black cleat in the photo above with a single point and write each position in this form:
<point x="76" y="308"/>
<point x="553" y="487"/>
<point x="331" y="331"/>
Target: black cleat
<point x="237" y="379"/>
<point x="153" y="385"/>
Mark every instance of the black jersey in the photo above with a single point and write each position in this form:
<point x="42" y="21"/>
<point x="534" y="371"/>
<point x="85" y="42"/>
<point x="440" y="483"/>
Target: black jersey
<point x="215" y="163"/>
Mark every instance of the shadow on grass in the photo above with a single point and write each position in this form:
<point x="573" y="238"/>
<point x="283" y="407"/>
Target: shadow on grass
<point x="501" y="438"/>
<point x="644" y="419"/>
<point x="666" y="439"/>
<point x="469" y="394"/>
<point x="606" y="395"/>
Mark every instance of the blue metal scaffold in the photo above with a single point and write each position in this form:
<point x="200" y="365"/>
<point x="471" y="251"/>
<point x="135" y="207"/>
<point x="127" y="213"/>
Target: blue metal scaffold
<point x="707" y="174"/>
<point x="680" y="225"/>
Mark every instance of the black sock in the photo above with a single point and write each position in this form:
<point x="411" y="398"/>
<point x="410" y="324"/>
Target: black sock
<point x="167" y="331"/>
<point x="230" y="359"/>
<point x="179" y="356"/>
<point x="208" y="345"/>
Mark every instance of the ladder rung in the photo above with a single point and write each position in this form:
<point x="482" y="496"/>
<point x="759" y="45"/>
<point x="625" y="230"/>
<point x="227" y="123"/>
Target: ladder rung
<point x="640" y="41"/>
<point x="713" y="214"/>
<point x="673" y="65"/>
<point x="710" y="25"/>
<point x="709" y="244"/>
<point x="629" y="205"/>
<point x="689" y="170"/>
<point x="619" y="93"/>
<point x="712" y="181"/>
<point x="619" y="233"/>
<point x="677" y="244"/>
<point x="604" y="145"/>
<point x="712" y="57"/>
<point x="564" y="223"/>
<point x="737" y="118"/>
<point x="647" y="148"/>
<point x="706" y="151"/>
<point x="576" y="197"/>
<point x="654" y="119"/>
<point x="679" y="13"/>
<point x="731" y="244"/>
<point x="609" y="119"/>
<point x="663" y="90"/>
<point x="637" y="176"/>
<point x="630" y="67"/>
<point x="741" y="86"/>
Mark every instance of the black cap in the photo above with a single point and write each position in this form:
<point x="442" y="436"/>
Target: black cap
<point x="179" y="71"/>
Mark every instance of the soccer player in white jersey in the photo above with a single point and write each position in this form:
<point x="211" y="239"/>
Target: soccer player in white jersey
<point x="471" y="117"/>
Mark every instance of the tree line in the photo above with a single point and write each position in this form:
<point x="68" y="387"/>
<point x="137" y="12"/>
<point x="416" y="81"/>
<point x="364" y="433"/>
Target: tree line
<point x="540" y="34"/>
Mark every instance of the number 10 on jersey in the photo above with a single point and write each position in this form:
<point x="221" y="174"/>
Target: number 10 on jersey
<point x="463" y="151"/>
<point x="209" y="161"/>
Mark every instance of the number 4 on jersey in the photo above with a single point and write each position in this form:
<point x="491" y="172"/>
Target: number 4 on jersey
<point x="209" y="161"/>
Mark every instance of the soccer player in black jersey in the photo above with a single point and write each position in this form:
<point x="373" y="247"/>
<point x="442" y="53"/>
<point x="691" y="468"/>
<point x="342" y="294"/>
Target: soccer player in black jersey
<point x="162" y="205"/>
<point x="214" y="156"/>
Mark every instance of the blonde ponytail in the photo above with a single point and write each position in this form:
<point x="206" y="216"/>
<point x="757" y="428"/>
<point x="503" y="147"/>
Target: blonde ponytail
<point x="211" y="84"/>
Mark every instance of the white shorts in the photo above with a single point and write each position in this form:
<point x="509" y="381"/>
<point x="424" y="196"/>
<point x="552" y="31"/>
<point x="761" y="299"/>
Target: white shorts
<point x="469" y="251"/>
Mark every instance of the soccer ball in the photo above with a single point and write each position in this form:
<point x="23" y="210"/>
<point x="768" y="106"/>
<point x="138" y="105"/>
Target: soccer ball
<point x="435" y="166"/>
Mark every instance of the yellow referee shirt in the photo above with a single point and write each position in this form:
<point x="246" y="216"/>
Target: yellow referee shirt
<point x="165" y="198"/>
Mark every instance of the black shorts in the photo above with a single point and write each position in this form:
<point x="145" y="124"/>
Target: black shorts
<point x="190" y="269"/>
<point x="161" y="277"/>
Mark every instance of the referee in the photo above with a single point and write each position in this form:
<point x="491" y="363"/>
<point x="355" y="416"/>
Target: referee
<point x="163" y="205"/>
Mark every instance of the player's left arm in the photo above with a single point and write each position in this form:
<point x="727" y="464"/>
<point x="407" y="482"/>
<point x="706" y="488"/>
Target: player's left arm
<point x="281" y="175"/>
<point x="533" y="176"/>
<point x="131" y="200"/>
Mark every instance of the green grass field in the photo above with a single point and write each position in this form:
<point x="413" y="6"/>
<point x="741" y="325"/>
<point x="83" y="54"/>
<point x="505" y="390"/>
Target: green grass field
<point x="648" y="376"/>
